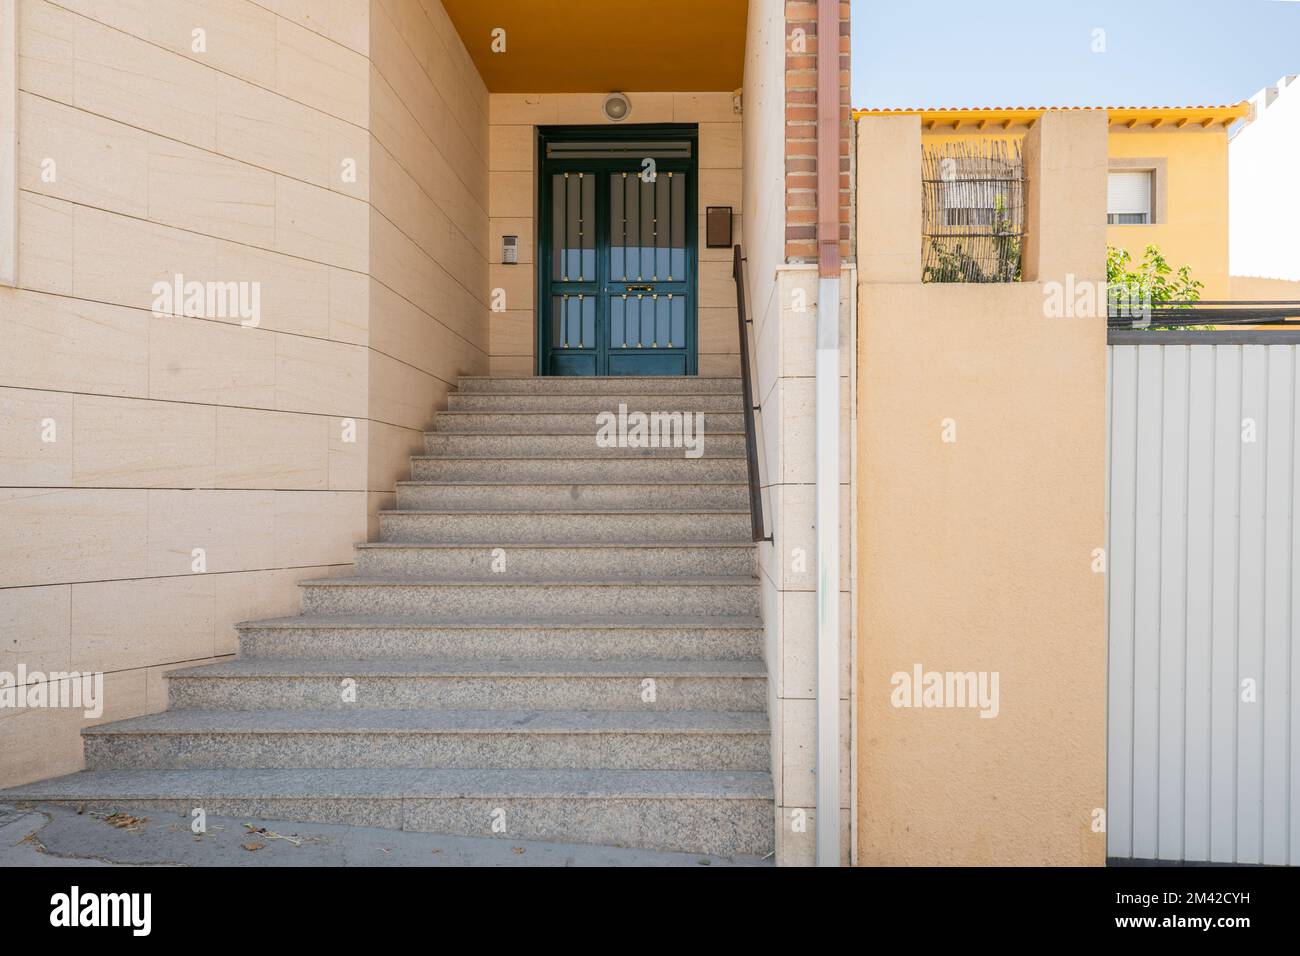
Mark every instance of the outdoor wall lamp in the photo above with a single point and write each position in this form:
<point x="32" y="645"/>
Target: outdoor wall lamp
<point x="616" y="107"/>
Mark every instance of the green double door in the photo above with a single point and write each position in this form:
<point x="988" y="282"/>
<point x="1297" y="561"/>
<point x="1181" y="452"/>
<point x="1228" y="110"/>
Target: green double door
<point x="617" y="276"/>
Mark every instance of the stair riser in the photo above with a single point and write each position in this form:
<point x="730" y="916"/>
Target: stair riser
<point x="619" y="751"/>
<point x="569" y="446"/>
<point x="469" y="693"/>
<point x="524" y="600"/>
<point x="461" y="564"/>
<point x="702" y="497"/>
<point x="569" y="644"/>
<point x="723" y="827"/>
<point x="499" y="530"/>
<point x="471" y="402"/>
<point x="582" y="423"/>
<point x="620" y="385"/>
<point x="580" y="470"/>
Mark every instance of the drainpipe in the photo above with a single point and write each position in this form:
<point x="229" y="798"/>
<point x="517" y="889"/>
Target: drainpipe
<point x="828" y="432"/>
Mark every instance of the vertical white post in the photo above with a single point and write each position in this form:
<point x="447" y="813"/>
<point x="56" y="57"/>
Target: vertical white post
<point x="828" y="571"/>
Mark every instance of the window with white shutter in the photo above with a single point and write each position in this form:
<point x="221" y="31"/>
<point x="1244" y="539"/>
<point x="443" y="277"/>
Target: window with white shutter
<point x="1128" y="198"/>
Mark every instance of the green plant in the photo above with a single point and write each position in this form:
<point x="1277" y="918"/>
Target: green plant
<point x="1007" y="243"/>
<point x="951" y="265"/>
<point x="1154" y="283"/>
<point x="957" y="265"/>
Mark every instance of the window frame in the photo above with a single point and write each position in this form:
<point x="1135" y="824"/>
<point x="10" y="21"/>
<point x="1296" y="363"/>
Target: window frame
<point x="1157" y="167"/>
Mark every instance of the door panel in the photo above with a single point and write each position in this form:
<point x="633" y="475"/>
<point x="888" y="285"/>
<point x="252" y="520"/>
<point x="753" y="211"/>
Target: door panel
<point x="573" y="221"/>
<point x="618" y="271"/>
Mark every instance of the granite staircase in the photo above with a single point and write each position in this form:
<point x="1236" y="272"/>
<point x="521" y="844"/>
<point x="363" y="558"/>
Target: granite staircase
<point x="550" y="640"/>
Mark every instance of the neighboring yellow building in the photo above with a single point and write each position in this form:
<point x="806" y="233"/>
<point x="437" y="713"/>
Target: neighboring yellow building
<point x="1168" y="175"/>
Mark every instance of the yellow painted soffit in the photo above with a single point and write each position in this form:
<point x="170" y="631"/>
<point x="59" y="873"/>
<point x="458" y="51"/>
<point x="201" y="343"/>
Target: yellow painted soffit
<point x="974" y="120"/>
<point x="595" y="46"/>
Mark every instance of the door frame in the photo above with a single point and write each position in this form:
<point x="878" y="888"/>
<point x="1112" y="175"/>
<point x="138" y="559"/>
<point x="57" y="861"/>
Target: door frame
<point x="685" y="132"/>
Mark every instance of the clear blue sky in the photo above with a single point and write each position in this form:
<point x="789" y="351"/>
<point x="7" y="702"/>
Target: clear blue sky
<point x="914" y="53"/>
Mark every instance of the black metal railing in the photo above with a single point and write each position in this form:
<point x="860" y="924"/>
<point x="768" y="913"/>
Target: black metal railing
<point x="1169" y="315"/>
<point x="747" y="389"/>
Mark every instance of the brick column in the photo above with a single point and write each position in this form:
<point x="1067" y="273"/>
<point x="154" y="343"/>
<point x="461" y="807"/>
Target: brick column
<point x="801" y="52"/>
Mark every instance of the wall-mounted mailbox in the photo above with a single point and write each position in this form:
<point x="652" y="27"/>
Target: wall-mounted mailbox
<point x="717" y="227"/>
<point x="510" y="250"/>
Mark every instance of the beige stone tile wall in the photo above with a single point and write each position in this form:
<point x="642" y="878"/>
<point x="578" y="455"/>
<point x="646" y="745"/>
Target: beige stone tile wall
<point x="335" y="154"/>
<point x="783" y="302"/>
<point x="513" y="119"/>
<point x="786" y="364"/>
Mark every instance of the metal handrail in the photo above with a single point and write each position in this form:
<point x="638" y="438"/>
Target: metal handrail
<point x="747" y="389"/>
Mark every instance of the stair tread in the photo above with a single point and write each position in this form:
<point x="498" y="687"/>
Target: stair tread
<point x="587" y="510"/>
<point x="723" y="393"/>
<point x="553" y="435"/>
<point x="501" y="581"/>
<point x="457" y="412"/>
<point x="601" y="378"/>
<point x="557" y="545"/>
<point x="460" y="456"/>
<point x="712" y="432"/>
<point x="437" y="721"/>
<point x="438" y="667"/>
<point x="654" y="483"/>
<point x="603" y="621"/>
<point x="398" y="783"/>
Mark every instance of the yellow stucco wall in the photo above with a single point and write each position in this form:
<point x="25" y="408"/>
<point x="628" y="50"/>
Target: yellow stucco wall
<point x="1194" y="231"/>
<point x="1250" y="288"/>
<point x="974" y="554"/>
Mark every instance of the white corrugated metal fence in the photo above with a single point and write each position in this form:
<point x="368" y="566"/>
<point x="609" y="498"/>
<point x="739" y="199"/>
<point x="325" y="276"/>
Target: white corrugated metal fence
<point x="1203" y="603"/>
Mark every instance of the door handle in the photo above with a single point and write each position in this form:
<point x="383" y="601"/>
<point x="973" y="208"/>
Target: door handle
<point x="640" y="288"/>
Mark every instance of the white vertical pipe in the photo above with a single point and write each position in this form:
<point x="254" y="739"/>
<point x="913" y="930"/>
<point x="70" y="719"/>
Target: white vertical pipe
<point x="828" y="571"/>
<point x="828" y="432"/>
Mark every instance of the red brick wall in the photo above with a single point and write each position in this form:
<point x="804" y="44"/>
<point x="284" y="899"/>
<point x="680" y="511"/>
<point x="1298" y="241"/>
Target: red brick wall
<point x="801" y="132"/>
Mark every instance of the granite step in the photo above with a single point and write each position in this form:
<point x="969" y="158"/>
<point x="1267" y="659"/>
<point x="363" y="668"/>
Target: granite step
<point x="614" y="740"/>
<point x="567" y="496"/>
<point x="703" y="595"/>
<point x="580" y="560"/>
<point x="672" y="422"/>
<point x="373" y="684"/>
<point x="697" y="811"/>
<point x="608" y="385"/>
<point x="579" y="469"/>
<point x="712" y="443"/>
<point x="499" y="528"/>
<point x="726" y="401"/>
<point x="558" y="638"/>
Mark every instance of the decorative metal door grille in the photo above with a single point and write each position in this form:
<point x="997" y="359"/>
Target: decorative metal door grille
<point x="574" y="239"/>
